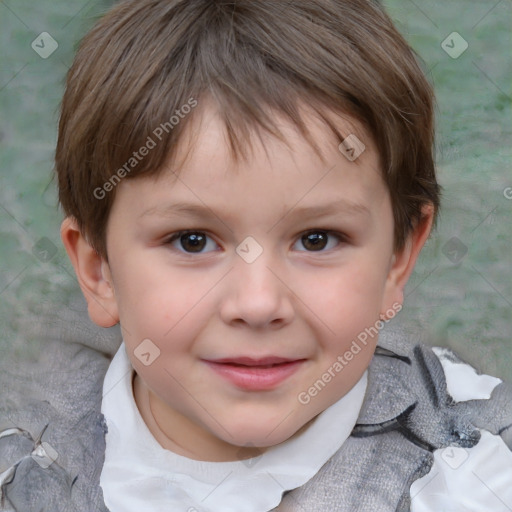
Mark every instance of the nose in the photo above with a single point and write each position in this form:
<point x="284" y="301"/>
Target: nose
<point x="257" y="295"/>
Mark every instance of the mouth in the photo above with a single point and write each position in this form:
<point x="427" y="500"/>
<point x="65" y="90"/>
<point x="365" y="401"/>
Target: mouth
<point x="250" y="362"/>
<point x="255" y="374"/>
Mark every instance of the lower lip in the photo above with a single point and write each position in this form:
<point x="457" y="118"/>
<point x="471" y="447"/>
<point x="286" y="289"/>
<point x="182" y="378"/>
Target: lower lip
<point x="255" y="378"/>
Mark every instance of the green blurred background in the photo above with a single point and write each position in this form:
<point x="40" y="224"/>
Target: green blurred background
<point x="461" y="292"/>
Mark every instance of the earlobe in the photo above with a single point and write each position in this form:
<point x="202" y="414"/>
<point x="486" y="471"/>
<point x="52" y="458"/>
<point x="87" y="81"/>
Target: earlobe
<point x="93" y="274"/>
<point x="403" y="261"/>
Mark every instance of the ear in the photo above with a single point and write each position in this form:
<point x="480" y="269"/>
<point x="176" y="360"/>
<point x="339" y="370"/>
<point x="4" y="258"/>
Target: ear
<point x="93" y="274"/>
<point x="403" y="261"/>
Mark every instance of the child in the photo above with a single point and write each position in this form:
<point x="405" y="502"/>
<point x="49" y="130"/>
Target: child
<point x="291" y="144"/>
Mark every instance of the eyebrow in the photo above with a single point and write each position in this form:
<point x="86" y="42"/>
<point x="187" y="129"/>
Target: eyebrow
<point x="203" y="212"/>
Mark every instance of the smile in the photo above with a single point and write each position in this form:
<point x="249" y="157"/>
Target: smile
<point x="255" y="374"/>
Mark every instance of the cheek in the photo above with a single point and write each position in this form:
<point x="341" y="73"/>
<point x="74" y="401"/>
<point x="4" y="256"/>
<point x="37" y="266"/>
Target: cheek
<point x="169" y="307"/>
<point x="347" y="298"/>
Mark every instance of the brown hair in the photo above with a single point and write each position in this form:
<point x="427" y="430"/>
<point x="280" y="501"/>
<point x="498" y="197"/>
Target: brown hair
<point x="141" y="68"/>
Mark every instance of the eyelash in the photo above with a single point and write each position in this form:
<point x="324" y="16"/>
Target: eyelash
<point x="342" y="238"/>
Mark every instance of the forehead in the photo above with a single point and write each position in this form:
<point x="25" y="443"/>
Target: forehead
<point x="203" y="172"/>
<point x="206" y="135"/>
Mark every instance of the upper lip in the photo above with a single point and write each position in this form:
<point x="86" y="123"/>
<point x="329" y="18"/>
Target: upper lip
<point x="249" y="361"/>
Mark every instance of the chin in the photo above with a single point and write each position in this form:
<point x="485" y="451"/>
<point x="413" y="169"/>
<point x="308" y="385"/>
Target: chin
<point x="261" y="434"/>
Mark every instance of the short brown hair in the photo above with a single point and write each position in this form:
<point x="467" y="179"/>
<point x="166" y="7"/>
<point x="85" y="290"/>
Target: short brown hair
<point x="146" y="59"/>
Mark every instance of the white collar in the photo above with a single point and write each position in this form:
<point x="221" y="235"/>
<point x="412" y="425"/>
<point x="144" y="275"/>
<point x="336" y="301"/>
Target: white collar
<point x="139" y="474"/>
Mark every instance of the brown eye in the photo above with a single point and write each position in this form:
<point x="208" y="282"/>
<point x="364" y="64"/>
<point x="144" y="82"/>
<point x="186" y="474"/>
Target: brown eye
<point x="192" y="242"/>
<point x="314" y="241"/>
<point x="317" y="241"/>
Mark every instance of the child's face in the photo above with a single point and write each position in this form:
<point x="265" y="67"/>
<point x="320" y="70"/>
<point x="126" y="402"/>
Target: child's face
<point x="219" y="317"/>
